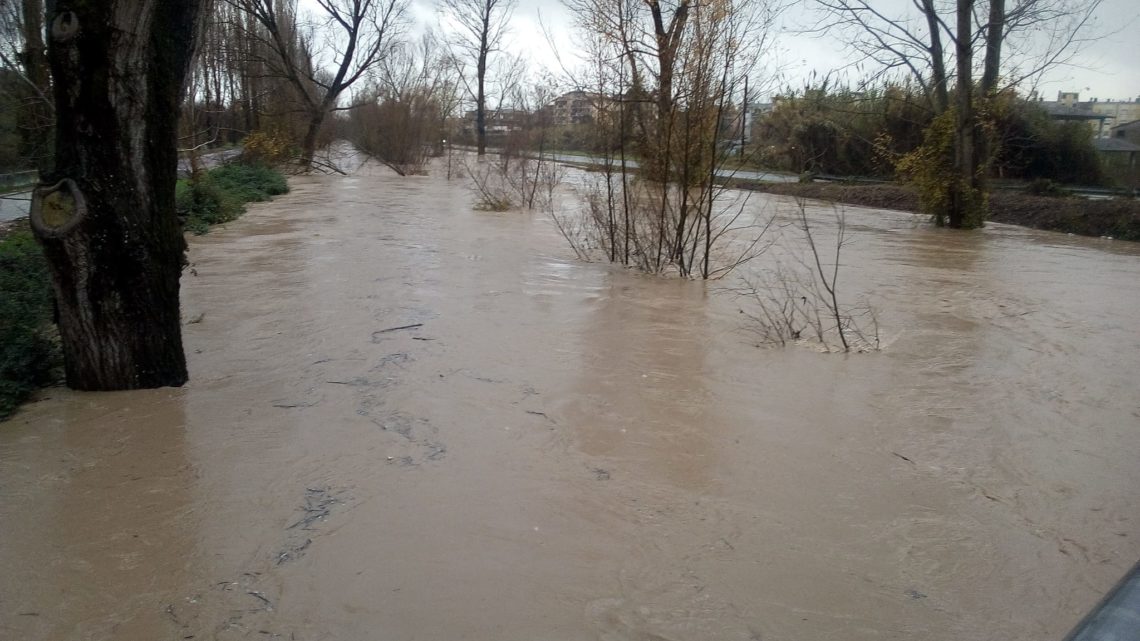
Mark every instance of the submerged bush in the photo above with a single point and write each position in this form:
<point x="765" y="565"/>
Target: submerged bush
<point x="219" y="195"/>
<point x="249" y="182"/>
<point x="29" y="350"/>
<point x="930" y="170"/>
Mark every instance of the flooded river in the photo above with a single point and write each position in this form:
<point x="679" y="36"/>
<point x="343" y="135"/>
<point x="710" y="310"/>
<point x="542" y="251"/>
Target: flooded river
<point x="412" y="420"/>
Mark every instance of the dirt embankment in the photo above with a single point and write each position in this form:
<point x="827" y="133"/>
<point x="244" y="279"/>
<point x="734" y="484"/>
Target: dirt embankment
<point x="1118" y="218"/>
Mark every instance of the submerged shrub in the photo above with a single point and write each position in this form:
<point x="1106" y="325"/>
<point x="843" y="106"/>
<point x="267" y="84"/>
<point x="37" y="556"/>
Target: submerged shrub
<point x="219" y="195"/>
<point x="248" y="182"/>
<point x="930" y="170"/>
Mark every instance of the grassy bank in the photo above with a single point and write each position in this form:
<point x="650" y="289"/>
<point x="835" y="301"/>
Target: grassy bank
<point x="29" y="344"/>
<point x="220" y="195"/>
<point x="1118" y="218"/>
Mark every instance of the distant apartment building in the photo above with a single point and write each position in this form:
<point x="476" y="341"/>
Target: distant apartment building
<point x="498" y="121"/>
<point x="1102" y="115"/>
<point x="1129" y="131"/>
<point x="575" y="108"/>
<point x="737" y="125"/>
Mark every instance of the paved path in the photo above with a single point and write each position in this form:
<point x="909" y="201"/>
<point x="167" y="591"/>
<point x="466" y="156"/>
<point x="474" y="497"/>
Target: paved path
<point x="14" y="205"/>
<point x="742" y="174"/>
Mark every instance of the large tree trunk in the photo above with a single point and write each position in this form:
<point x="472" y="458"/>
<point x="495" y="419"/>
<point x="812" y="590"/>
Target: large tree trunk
<point x="105" y="215"/>
<point x="987" y="91"/>
<point x="668" y="40"/>
<point x="481" y="100"/>
<point x="939" y="91"/>
<point x="965" y="164"/>
<point x="309" y="144"/>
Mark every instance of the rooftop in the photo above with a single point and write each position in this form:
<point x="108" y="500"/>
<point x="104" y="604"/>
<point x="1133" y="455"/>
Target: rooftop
<point x="1114" y="144"/>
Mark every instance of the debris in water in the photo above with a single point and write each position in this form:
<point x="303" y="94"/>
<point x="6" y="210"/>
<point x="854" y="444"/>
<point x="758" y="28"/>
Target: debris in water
<point x="318" y="502"/>
<point x="376" y="333"/>
<point x="261" y="597"/>
<point x="293" y="553"/>
<point x="288" y="405"/>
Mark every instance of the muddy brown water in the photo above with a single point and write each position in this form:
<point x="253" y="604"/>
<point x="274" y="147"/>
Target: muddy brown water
<point x="561" y="450"/>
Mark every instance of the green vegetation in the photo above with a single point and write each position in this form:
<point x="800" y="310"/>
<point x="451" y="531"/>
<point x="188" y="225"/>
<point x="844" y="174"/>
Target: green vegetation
<point x="842" y="132"/>
<point x="929" y="168"/>
<point x="29" y="346"/>
<point x="219" y="195"/>
<point x="1031" y="146"/>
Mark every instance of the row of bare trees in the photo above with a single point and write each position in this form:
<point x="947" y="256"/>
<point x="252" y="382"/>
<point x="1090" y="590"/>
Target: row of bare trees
<point x="268" y="65"/>
<point x="402" y="120"/>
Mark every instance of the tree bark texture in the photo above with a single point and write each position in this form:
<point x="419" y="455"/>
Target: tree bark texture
<point x="965" y="166"/>
<point x="105" y="214"/>
<point x="939" y="94"/>
<point x="987" y="91"/>
<point x="481" y="100"/>
<point x="309" y="142"/>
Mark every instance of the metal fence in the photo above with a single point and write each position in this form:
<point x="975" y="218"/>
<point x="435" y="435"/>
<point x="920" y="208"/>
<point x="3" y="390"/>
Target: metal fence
<point x="18" y="179"/>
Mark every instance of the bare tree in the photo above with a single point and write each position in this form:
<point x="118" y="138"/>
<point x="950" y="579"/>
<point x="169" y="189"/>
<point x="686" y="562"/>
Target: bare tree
<point x="672" y="68"/>
<point x="1037" y="35"/>
<point x="27" y="90"/>
<point x="403" y="122"/>
<point x="799" y="299"/>
<point x="351" y="37"/>
<point x="478" y="28"/>
<point x="105" y="212"/>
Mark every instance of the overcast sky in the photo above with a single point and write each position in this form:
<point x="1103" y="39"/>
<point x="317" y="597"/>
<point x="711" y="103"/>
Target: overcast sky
<point x="1109" y="68"/>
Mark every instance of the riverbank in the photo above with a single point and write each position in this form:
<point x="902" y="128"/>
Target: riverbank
<point x="1118" y="218"/>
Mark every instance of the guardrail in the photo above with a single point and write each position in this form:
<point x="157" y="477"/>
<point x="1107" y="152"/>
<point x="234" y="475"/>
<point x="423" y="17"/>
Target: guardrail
<point x="1117" y="616"/>
<point x="18" y="179"/>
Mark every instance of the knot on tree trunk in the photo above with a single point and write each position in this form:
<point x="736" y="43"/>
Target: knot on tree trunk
<point x="57" y="209"/>
<point x="64" y="26"/>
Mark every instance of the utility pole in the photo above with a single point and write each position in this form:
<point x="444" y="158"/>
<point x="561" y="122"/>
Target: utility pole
<point x="744" y="119"/>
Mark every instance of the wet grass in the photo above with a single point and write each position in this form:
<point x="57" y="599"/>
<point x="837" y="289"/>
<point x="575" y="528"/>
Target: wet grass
<point x="219" y="195"/>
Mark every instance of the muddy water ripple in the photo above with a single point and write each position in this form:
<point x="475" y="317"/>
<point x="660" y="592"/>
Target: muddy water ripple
<point x="411" y="420"/>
